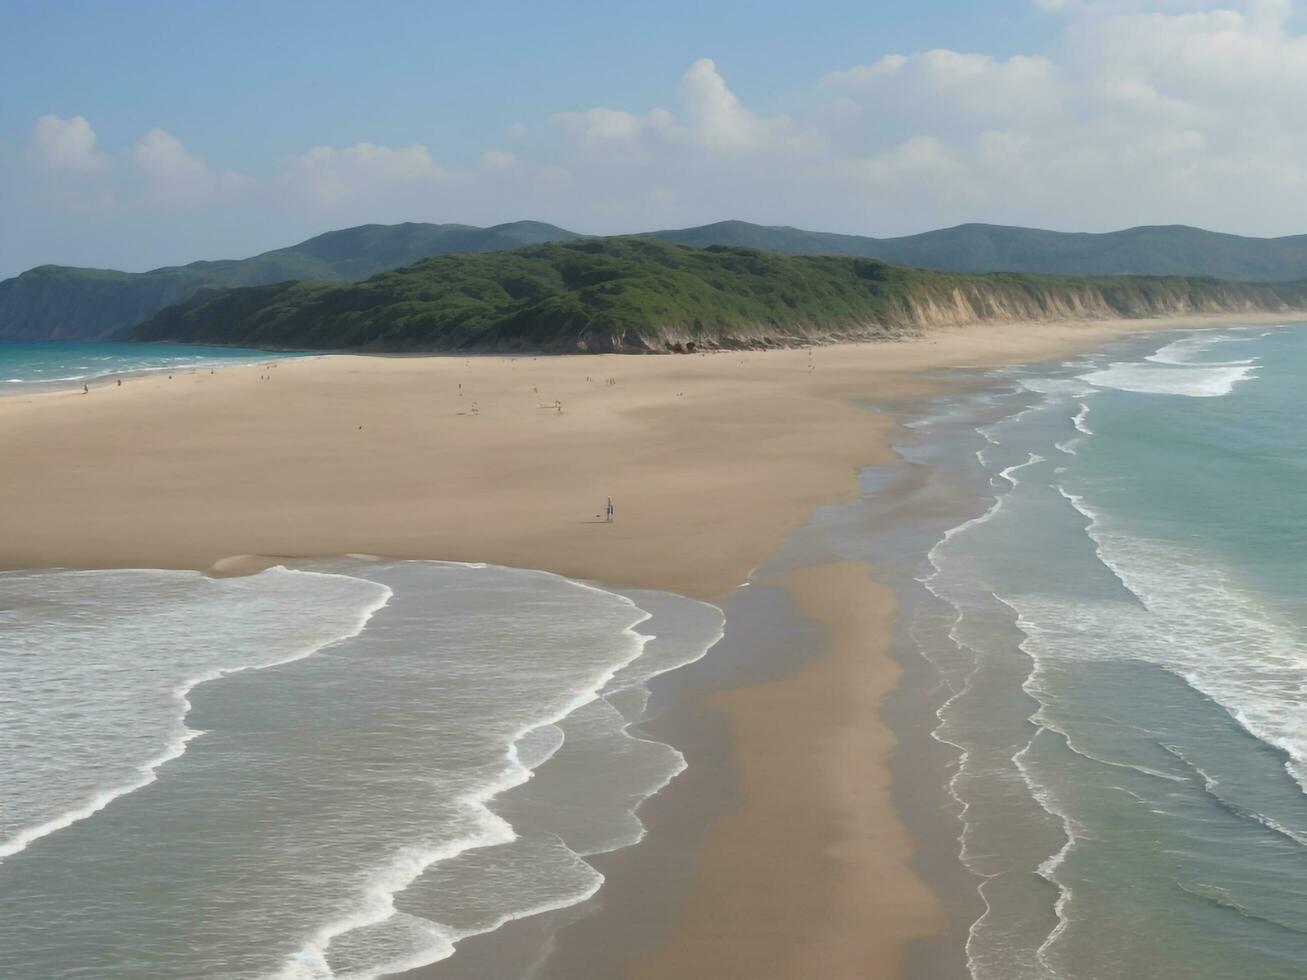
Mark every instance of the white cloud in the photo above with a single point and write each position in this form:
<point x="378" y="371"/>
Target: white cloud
<point x="330" y="176"/>
<point x="162" y="156"/>
<point x="66" y="144"/>
<point x="923" y="157"/>
<point x="1137" y="112"/>
<point x="974" y="84"/>
<point x="498" y="160"/>
<point x="70" y="172"/>
<point x="713" y="119"/>
<point x="1141" y="112"/>
<point x="620" y="135"/>
<point x="172" y="174"/>
<point x="719" y="120"/>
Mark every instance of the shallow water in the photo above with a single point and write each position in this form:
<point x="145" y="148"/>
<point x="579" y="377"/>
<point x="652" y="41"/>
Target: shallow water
<point x="1119" y="628"/>
<point x="324" y="771"/>
<point x="29" y="364"/>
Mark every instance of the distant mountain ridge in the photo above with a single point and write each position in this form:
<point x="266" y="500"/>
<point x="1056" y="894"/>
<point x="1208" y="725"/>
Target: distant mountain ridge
<point x="638" y="294"/>
<point x="1149" y="250"/>
<point x="61" y="302"/>
<point x="54" y="302"/>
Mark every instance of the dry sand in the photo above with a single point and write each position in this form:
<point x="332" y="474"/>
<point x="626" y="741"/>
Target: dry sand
<point x="711" y="460"/>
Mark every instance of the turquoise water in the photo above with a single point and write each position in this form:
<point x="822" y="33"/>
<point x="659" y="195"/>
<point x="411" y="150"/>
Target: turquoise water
<point x="1121" y="635"/>
<point x="26" y="364"/>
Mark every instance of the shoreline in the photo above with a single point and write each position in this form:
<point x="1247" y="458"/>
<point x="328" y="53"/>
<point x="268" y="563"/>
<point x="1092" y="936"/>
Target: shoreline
<point x="73" y="384"/>
<point x="711" y="483"/>
<point x="342" y="454"/>
<point x="850" y="898"/>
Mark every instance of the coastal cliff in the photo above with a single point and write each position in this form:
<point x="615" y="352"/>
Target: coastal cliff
<point x="638" y="295"/>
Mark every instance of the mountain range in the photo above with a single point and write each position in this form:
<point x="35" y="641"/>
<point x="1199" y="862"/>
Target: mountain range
<point x="62" y="302"/>
<point x="57" y="302"/>
<point x="637" y="294"/>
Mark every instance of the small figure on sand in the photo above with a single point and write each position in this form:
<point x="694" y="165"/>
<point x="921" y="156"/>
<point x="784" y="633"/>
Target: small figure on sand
<point x="610" y="511"/>
<point x="85" y="390"/>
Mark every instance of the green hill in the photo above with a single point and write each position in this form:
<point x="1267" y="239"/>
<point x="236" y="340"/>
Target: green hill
<point x="54" y="302"/>
<point x="58" y="302"/>
<point x="640" y="294"/>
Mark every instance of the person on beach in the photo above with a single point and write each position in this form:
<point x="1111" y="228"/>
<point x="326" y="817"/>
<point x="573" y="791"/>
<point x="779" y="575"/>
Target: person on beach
<point x="85" y="390"/>
<point x="610" y="510"/>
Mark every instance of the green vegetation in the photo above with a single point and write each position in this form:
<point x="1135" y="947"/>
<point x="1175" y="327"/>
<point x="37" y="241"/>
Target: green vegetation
<point x="57" y="302"/>
<point x="640" y="294"/>
<point x="54" y="302"/>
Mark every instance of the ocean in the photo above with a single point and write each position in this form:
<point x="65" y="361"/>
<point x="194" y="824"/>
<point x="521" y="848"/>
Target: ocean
<point x="333" y="770"/>
<point x="1108" y="582"/>
<point x="27" y="365"/>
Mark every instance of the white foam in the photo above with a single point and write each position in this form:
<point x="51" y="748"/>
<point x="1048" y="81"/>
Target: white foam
<point x="349" y="926"/>
<point x="172" y="731"/>
<point x="430" y="941"/>
<point x="1192" y="620"/>
<point x="1074" y="387"/>
<point x="1031" y="460"/>
<point x="375" y="903"/>
<point x="1092" y="629"/>
<point x="1212" y="785"/>
<point x="1207" y="381"/>
<point x="1048" y="868"/>
<point x="1186" y="350"/>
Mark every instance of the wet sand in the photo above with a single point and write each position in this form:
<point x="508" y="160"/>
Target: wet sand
<point x="813" y="763"/>
<point x="790" y="858"/>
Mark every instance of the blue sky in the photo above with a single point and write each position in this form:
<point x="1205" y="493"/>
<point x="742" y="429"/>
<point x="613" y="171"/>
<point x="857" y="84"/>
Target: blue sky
<point x="136" y="134"/>
<point x="241" y="82"/>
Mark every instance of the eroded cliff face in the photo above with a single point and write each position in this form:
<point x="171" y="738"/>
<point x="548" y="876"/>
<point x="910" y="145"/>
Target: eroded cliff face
<point x="971" y="305"/>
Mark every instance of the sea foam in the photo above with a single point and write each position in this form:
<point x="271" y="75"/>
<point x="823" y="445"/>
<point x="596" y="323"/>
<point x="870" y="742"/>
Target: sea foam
<point x="98" y="667"/>
<point x="1207" y="381"/>
<point x="1193" y="620"/>
<point x="360" y="803"/>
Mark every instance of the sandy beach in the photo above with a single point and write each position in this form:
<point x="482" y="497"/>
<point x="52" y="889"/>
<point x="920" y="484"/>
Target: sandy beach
<point x="711" y="461"/>
<point x="813" y="781"/>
